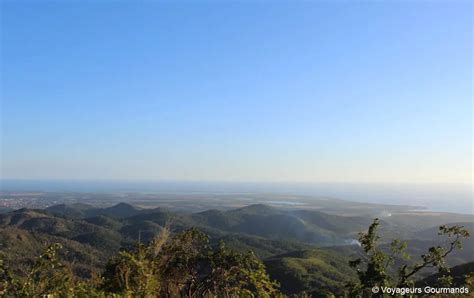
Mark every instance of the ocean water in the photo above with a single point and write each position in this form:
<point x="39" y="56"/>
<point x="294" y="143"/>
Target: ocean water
<point x="456" y="198"/>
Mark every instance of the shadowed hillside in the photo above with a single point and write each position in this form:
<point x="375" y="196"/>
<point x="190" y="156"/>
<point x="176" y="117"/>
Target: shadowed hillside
<point x="306" y="251"/>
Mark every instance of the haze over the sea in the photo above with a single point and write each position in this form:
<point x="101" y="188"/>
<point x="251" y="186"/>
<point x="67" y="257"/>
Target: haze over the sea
<point x="454" y="197"/>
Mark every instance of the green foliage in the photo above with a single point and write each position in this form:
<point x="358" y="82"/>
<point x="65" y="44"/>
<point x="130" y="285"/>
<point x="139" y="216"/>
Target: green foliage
<point x="46" y="276"/>
<point x="7" y="282"/>
<point x="182" y="266"/>
<point x="316" y="272"/>
<point x="240" y="275"/>
<point x="19" y="248"/>
<point x="376" y="262"/>
<point x="192" y="264"/>
<point x="435" y="257"/>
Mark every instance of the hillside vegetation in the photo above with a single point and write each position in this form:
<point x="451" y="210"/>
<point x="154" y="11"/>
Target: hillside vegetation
<point x="302" y="251"/>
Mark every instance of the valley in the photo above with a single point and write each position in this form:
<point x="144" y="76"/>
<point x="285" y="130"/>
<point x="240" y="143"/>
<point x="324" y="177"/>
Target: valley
<point x="305" y="249"/>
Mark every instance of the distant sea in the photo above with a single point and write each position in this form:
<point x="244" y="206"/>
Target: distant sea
<point x="456" y="198"/>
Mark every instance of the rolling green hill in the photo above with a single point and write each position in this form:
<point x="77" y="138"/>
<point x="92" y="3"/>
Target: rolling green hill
<point x="306" y="251"/>
<point x="316" y="272"/>
<point x="309" y="227"/>
<point x="19" y="247"/>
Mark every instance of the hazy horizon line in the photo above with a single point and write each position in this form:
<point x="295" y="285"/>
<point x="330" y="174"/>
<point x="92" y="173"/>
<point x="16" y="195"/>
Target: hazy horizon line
<point x="170" y="180"/>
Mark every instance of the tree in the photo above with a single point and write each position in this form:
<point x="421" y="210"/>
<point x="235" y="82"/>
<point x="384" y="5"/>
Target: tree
<point x="239" y="275"/>
<point x="186" y="266"/>
<point x="435" y="257"/>
<point x="47" y="276"/>
<point x="8" y="283"/>
<point x="373" y="266"/>
<point x="181" y="266"/>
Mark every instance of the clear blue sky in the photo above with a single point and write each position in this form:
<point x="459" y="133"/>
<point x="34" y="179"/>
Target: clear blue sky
<point x="317" y="91"/>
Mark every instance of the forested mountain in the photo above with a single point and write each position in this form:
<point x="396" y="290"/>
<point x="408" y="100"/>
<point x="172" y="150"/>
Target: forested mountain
<point x="310" y="227"/>
<point x="316" y="271"/>
<point x="304" y="251"/>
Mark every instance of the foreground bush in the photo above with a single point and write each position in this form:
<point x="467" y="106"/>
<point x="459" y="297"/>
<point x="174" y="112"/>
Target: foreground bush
<point x="181" y="266"/>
